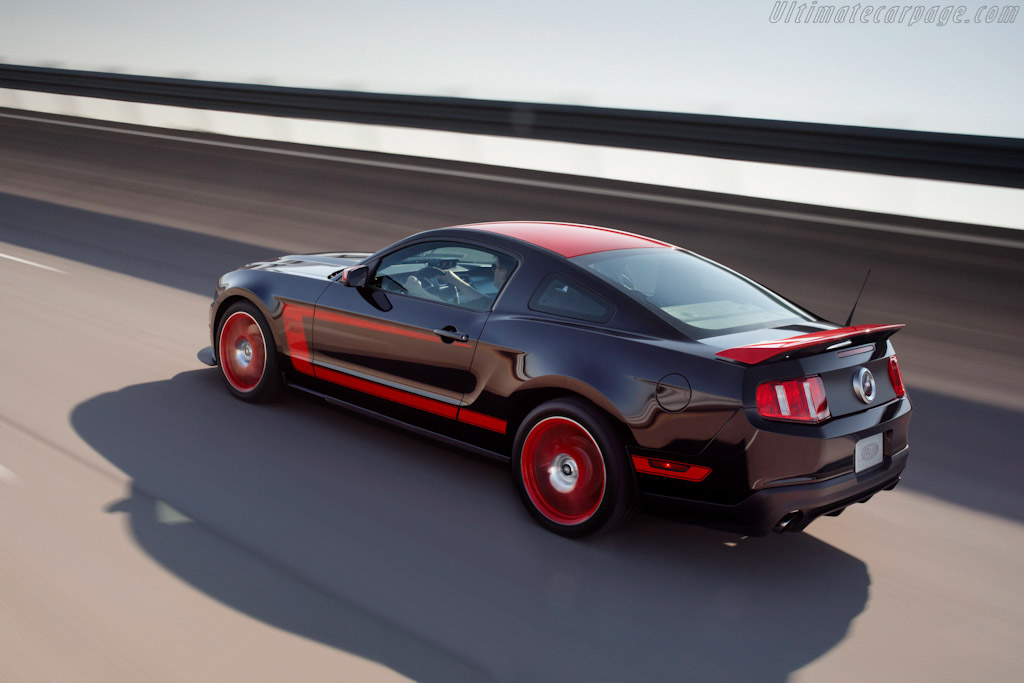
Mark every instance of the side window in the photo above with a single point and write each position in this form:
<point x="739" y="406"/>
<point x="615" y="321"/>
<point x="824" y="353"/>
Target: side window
<point x="562" y="296"/>
<point x="451" y="272"/>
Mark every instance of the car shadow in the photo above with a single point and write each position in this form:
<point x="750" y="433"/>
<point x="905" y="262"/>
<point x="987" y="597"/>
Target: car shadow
<point x="960" y="452"/>
<point x="380" y="544"/>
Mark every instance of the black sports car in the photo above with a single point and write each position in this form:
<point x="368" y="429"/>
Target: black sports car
<point x="609" y="368"/>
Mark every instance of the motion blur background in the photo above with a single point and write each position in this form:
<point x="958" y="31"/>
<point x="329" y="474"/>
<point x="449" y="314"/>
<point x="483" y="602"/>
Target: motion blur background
<point x="151" y="528"/>
<point x="699" y="57"/>
<point x="911" y="67"/>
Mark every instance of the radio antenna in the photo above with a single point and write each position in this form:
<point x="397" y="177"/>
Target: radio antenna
<point x="850" y="319"/>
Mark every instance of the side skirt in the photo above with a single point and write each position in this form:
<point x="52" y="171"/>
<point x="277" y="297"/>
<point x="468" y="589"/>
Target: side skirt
<point x="419" y="431"/>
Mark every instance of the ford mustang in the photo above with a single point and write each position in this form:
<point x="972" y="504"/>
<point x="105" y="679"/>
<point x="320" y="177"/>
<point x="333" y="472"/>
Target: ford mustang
<point x="613" y="371"/>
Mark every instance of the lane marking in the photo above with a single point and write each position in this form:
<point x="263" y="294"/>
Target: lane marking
<point x="117" y="478"/>
<point x="567" y="187"/>
<point x="8" y="476"/>
<point x="32" y="263"/>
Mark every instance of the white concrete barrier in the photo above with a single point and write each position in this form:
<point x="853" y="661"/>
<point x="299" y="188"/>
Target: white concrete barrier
<point x="931" y="199"/>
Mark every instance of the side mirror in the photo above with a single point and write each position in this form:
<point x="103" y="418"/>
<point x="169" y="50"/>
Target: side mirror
<point x="355" y="276"/>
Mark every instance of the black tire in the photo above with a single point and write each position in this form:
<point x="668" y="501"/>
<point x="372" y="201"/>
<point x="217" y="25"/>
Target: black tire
<point x="247" y="354"/>
<point x="569" y="465"/>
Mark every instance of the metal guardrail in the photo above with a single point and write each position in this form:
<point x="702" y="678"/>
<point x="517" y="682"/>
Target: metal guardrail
<point x="939" y="156"/>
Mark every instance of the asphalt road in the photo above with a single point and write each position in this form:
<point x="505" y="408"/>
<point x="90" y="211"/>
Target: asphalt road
<point x="154" y="529"/>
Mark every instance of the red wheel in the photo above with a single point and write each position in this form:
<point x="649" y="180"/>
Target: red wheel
<point x="569" y="466"/>
<point x="243" y="351"/>
<point x="247" y="361"/>
<point x="563" y="470"/>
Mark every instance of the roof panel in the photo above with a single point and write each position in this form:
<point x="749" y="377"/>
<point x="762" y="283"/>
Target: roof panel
<point x="569" y="239"/>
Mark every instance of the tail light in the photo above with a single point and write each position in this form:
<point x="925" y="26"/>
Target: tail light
<point x="896" y="377"/>
<point x="794" y="400"/>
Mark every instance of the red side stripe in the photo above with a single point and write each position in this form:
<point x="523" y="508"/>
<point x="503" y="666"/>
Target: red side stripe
<point x="387" y="328"/>
<point x="483" y="421"/>
<point x="667" y="468"/>
<point x="295" y="318"/>
<point x="331" y="316"/>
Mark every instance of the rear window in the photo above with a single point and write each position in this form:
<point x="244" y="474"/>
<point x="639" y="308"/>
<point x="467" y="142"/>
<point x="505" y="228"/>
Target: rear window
<point x="562" y="296"/>
<point x="700" y="297"/>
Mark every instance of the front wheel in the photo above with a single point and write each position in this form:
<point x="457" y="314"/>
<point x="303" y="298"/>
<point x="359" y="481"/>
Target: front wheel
<point x="570" y="468"/>
<point x="247" y="354"/>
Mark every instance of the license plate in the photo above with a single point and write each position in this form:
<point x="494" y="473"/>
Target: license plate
<point x="868" y="453"/>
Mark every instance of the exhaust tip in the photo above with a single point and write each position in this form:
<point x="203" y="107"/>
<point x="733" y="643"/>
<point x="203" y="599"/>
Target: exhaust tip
<point x="787" y="521"/>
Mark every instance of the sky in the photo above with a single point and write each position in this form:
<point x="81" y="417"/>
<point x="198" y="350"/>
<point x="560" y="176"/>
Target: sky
<point x="712" y="57"/>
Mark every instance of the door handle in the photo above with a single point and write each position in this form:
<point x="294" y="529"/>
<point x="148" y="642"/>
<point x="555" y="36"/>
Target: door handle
<point x="450" y="334"/>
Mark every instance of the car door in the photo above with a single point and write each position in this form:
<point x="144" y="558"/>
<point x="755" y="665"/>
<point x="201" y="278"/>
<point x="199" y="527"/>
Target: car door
<point x="409" y="335"/>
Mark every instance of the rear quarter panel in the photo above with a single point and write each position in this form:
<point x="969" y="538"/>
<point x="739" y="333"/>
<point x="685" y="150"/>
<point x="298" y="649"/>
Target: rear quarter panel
<point x="526" y="355"/>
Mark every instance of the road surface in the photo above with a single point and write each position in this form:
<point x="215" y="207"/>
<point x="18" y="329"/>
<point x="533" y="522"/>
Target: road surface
<point x="154" y="529"/>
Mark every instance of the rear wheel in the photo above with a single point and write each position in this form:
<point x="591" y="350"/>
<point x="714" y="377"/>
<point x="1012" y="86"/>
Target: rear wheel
<point x="569" y="465"/>
<point x="247" y="354"/>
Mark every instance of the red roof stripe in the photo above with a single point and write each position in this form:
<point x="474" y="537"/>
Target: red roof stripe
<point x="569" y="239"/>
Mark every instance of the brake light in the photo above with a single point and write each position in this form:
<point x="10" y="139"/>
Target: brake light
<point x="795" y="400"/>
<point x="896" y="377"/>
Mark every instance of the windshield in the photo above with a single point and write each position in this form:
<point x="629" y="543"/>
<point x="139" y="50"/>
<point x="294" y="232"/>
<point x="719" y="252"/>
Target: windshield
<point x="699" y="296"/>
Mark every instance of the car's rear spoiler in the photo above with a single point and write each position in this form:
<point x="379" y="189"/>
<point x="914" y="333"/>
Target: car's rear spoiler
<point x="752" y="354"/>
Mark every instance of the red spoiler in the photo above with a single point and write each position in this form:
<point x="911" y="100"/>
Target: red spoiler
<point x="752" y="354"/>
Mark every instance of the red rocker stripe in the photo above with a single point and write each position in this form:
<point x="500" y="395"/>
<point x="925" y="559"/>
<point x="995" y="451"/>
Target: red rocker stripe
<point x="391" y="394"/>
<point x="476" y="419"/>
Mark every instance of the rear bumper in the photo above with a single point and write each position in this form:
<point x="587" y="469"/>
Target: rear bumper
<point x="798" y="505"/>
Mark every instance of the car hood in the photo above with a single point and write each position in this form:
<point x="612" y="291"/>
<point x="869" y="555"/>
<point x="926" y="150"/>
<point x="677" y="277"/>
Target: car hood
<point x="320" y="266"/>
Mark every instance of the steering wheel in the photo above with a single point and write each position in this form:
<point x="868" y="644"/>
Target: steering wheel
<point x="428" y="277"/>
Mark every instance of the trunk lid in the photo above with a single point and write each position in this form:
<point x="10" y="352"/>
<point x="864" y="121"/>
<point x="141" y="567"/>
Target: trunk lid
<point x="853" y="363"/>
